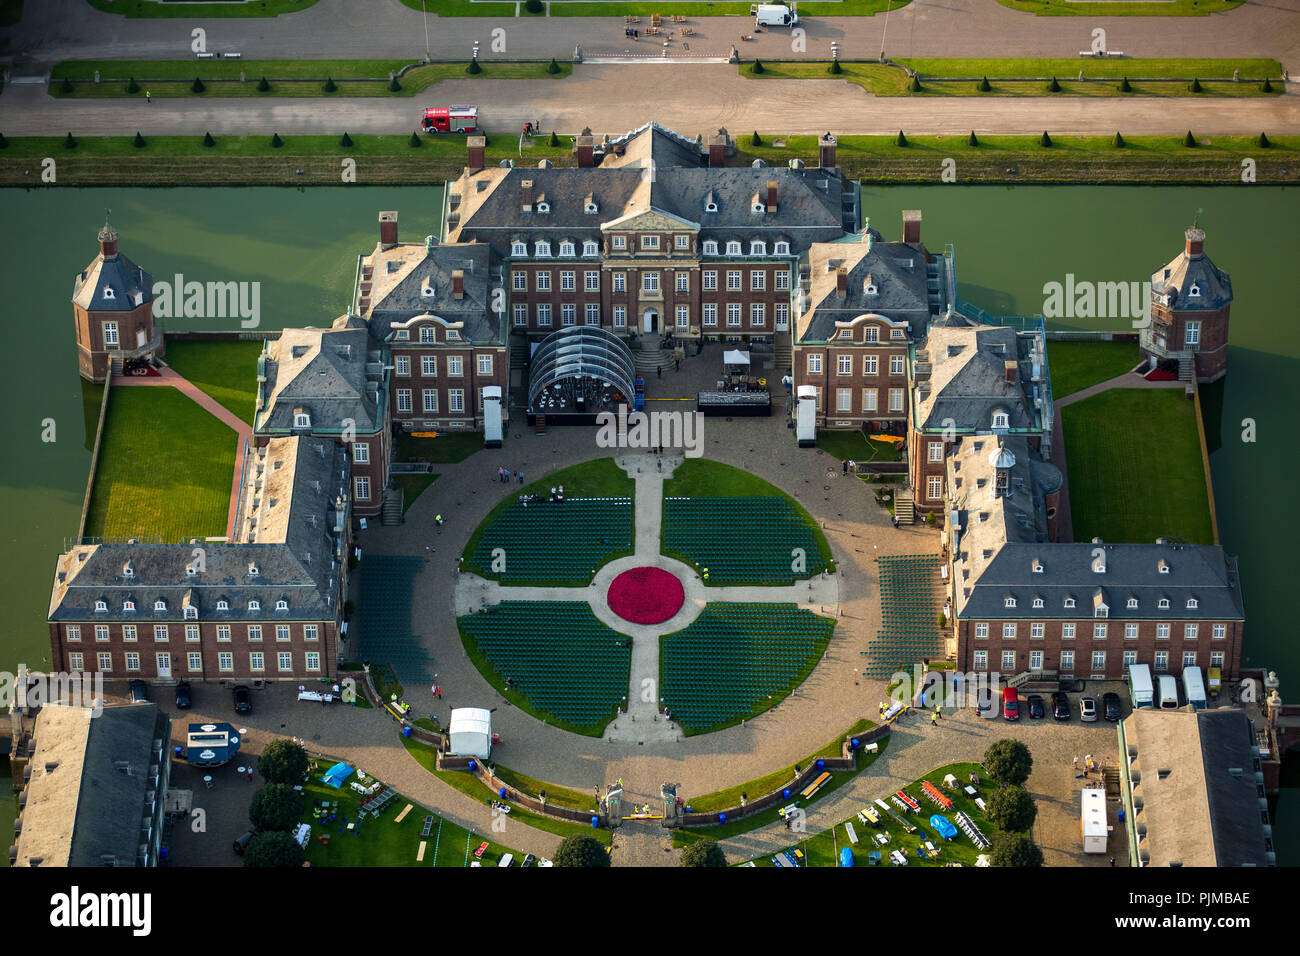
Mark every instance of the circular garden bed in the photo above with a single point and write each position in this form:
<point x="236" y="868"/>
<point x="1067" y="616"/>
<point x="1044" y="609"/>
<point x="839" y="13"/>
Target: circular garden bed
<point x="646" y="595"/>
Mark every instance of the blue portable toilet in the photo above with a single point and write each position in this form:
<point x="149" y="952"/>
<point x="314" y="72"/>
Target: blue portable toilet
<point x="846" y="856"/>
<point x="473" y="765"/>
<point x="821" y="765"/>
<point x="855" y="743"/>
<point x="785" y="794"/>
<point x="722" y="818"/>
<point x="406" y="731"/>
<point x="595" y="823"/>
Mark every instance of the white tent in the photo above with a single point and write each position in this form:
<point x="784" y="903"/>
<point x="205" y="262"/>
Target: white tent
<point x="735" y="357"/>
<point x="471" y="732"/>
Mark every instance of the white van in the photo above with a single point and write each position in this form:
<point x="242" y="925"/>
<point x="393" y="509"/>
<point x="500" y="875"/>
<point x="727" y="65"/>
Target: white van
<point x="773" y="15"/>
<point x="1168" y="692"/>
<point x="506" y="859"/>
<point x="806" y="420"/>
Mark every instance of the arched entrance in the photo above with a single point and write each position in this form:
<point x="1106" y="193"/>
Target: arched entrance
<point x="650" y="320"/>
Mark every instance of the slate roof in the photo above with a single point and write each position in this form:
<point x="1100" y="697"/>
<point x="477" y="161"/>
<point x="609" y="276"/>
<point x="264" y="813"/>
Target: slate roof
<point x="896" y="269"/>
<point x="650" y="144"/>
<point x="328" y="373"/>
<point x="80" y="806"/>
<point x="110" y="285"/>
<point x="1214" y="285"/>
<point x="1202" y="572"/>
<point x="400" y="277"/>
<point x="1227" y="739"/>
<point x="967" y="381"/>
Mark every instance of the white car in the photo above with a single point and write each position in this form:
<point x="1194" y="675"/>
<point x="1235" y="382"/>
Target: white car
<point x="506" y="859"/>
<point x="1088" y="709"/>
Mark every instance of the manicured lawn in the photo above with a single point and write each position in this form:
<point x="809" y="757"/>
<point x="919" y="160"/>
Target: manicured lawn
<point x="686" y="8"/>
<point x="412" y="487"/>
<point x="471" y="786"/>
<point x="1170" y="8"/>
<point x="822" y="849"/>
<point x="385" y="842"/>
<point x="165" y="468"/>
<point x="152" y="8"/>
<point x="1117" y="68"/>
<point x="227" y="371"/>
<point x="557" y="795"/>
<point x="169" y="78"/>
<point x="856" y="446"/>
<point x="1135" y="467"/>
<point x="447" y="448"/>
<point x="1077" y="365"/>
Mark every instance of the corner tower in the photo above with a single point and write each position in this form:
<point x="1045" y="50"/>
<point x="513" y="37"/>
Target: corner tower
<point x="112" y="304"/>
<point x="1190" y="303"/>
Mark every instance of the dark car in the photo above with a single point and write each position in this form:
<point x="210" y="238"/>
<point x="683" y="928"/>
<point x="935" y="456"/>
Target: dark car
<point x="1060" y="706"/>
<point x="243" y="699"/>
<point x="242" y="841"/>
<point x="183" y="698"/>
<point x="1036" y="709"/>
<point x="139" y="691"/>
<point x="529" y="860"/>
<point x="1110" y="706"/>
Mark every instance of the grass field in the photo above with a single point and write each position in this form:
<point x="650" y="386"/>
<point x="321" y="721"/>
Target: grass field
<point x="883" y="80"/>
<point x="1168" y="8"/>
<point x="1078" y="365"/>
<point x="172" y="78"/>
<point x="445" y="449"/>
<point x="385" y="842"/>
<point x="154" y="8"/>
<point x="822" y="849"/>
<point x="412" y="487"/>
<point x="165" y="468"/>
<point x="241" y="160"/>
<point x="1135" y="471"/>
<point x="666" y="8"/>
<point x="227" y="371"/>
<point x="854" y="445"/>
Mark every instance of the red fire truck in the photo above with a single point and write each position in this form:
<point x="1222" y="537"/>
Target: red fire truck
<point x="451" y="119"/>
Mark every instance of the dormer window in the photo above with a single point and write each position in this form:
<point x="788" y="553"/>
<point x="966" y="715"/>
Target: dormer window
<point x="869" y="288"/>
<point x="1069" y="602"/>
<point x="402" y="335"/>
<point x="710" y="203"/>
<point x="757" y="247"/>
<point x="1038" y="602"/>
<point x="128" y="605"/>
<point x="733" y="248"/>
<point x="282" y="605"/>
<point x="518" y="248"/>
<point x="543" y="207"/>
<point x="427" y="335"/>
<point x="253" y="570"/>
<point x="108" y="292"/>
<point x="781" y="249"/>
<point x="1192" y="604"/>
<point x="191" y="570"/>
<point x="1009" y="602"/>
<point x="101" y="607"/>
<point x="1001" y="420"/>
<point x="542" y="249"/>
<point x="759" y="205"/>
<point x="428" y="290"/>
<point x="223" y="605"/>
<point x="191" y="614"/>
<point x="590" y="249"/>
<point x="1038" y="566"/>
<point x="255" y="605"/>
<point x="1101" y="611"/>
<point x="1162" y="566"/>
<point x="567" y="249"/>
<point x="710" y="247"/>
<point x="301" y="420"/>
<point x="160" y="605"/>
<point x="1194" y="291"/>
<point x="453" y="335"/>
<point x="1132" y="603"/>
<point x="590" y="207"/>
<point x="128" y="570"/>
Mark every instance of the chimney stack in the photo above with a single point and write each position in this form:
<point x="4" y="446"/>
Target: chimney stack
<point x="526" y="195"/>
<point x="771" y="195"/>
<point x="387" y="229"/>
<point x="841" y="282"/>
<point x="585" y="148"/>
<point x="1195" y="242"/>
<point x="108" y="241"/>
<point x="718" y="148"/>
<point x="826" y="151"/>
<point x="1011" y="369"/>
<point x="912" y="226"/>
<point x="477" y="152"/>
<point x="457" y="284"/>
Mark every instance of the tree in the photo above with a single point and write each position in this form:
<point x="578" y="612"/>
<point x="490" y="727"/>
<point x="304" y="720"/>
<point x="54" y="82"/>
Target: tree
<point x="533" y="6"/>
<point x="263" y="86"/>
<point x="972" y="141"/>
<point x="836" y="69"/>
<point x="132" y="86"/>
<point x="1119" y="141"/>
<point x="138" y="142"/>
<point x="473" y="69"/>
<point x="1054" y="87"/>
<point x="330" y="86"/>
<point x="65" y="86"/>
<point x="197" y="86"/>
<point x="554" y="140"/>
<point x="415" y="138"/>
<point x="1013" y="849"/>
<point x="1266" y="86"/>
<point x="4" y="143"/>
<point x="1008" y="762"/>
<point x="273" y="849"/>
<point x="1189" y="140"/>
<point x="276" y="141"/>
<point x="208" y="140"/>
<point x="346" y="140"/>
<point x="915" y="85"/>
<point x="756" y="140"/>
<point x="394" y="86"/>
<point x="1011" y="809"/>
<point x="1125" y="86"/>
<point x="984" y="86"/>
<point x="283" y="761"/>
<point x="1044" y="140"/>
<point x="581" y="851"/>
<point x="1196" y="86"/>
<point x="552" y="67"/>
<point x="757" y="67"/>
<point x="277" y="806"/>
<point x="703" y="853"/>
<point x="1262" y="141"/>
<point x="70" y="142"/>
<point x="901" y="139"/>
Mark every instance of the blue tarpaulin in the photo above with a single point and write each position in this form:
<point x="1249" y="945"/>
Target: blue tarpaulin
<point x="337" y="774"/>
<point x="944" y="828"/>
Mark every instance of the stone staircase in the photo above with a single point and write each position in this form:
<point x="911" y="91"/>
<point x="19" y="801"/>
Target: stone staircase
<point x="782" y="353"/>
<point x="539" y="425"/>
<point x="518" y="351"/>
<point x="1186" y="369"/>
<point x="648" y="356"/>
<point x="115" y="365"/>
<point x="392" y="509"/>
<point x="904" y="507"/>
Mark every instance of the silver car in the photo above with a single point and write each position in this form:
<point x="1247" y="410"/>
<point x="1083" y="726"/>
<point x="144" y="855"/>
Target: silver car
<point x="1087" y="708"/>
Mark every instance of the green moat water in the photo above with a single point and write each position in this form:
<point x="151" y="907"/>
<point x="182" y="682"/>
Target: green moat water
<point x="302" y="247"/>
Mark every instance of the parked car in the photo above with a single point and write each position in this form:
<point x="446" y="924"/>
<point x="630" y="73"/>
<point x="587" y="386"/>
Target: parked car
<point x="529" y="860"/>
<point x="1060" y="706"/>
<point x="139" y="691"/>
<point x="1088" y="709"/>
<point x="183" y="699"/>
<point x="1010" y="704"/>
<point x="506" y="859"/>
<point x="1036" y="708"/>
<point x="242" y="841"/>
<point x="243" y="699"/>
<point x="987" y="705"/>
<point x="1110" y="706"/>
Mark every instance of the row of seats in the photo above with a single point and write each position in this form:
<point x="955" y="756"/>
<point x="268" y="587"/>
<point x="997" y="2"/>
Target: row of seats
<point x="720" y="534"/>
<point x="554" y="541"/>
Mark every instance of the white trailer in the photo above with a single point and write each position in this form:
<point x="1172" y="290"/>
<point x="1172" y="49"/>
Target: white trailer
<point x="1194" y="687"/>
<point x="806" y="422"/>
<point x="1140" y="689"/>
<point x="1092" y="820"/>
<point x="492" y="425"/>
<point x="773" y="15"/>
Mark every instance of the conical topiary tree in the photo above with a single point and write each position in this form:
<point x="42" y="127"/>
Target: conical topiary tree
<point x="554" y="140"/>
<point x="138" y="142"/>
<point x="756" y="140"/>
<point x="415" y="138"/>
<point x="1189" y="140"/>
<point x="972" y="141"/>
<point x="473" y="69"/>
<point x="984" y="86"/>
<point x="1196" y="86"/>
<point x="346" y="140"/>
<point x="757" y="67"/>
<point x="552" y="67"/>
<point x="1054" y="87"/>
<point x="208" y="140"/>
<point x="197" y="86"/>
<point x="330" y="86"/>
<point x="1262" y="141"/>
<point x="836" y="69"/>
<point x="915" y="85"/>
<point x="901" y="140"/>
<point x="263" y="86"/>
<point x="70" y="142"/>
<point x="132" y="86"/>
<point x="1266" y="86"/>
<point x="65" y="86"/>
<point x="1119" y="141"/>
<point x="394" y="86"/>
<point x="1125" y="86"/>
<point x="4" y="143"/>
<point x="276" y="141"/>
<point x="1044" y="140"/>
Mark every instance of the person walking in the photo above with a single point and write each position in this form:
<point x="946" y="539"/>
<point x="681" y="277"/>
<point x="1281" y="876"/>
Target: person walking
<point x="853" y="466"/>
<point x="677" y="363"/>
<point x="438" y="519"/>
<point x="148" y="97"/>
<point x="1112" y="861"/>
<point x="659" y="373"/>
<point x="521" y="477"/>
<point x="895" y="519"/>
<point x="844" y="466"/>
<point x="1076" y="763"/>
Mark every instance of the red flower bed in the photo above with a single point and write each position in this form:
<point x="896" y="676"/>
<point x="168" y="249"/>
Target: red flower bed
<point x="1159" y="375"/>
<point x="646" y="595"/>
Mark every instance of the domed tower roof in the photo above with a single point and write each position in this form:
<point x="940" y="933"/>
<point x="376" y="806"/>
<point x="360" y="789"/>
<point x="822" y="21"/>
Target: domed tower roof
<point x="1001" y="458"/>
